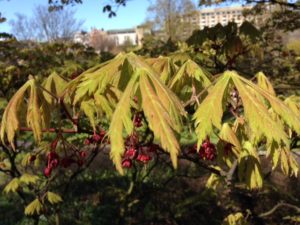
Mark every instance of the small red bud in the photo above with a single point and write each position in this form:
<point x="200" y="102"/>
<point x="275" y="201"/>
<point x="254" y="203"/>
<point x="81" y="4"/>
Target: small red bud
<point x="97" y="138"/>
<point x="47" y="171"/>
<point x="143" y="158"/>
<point x="54" y="144"/>
<point x="127" y="163"/>
<point x="130" y="153"/>
<point x="54" y="163"/>
<point x="87" y="141"/>
<point x="82" y="154"/>
<point x="32" y="158"/>
<point x="52" y="155"/>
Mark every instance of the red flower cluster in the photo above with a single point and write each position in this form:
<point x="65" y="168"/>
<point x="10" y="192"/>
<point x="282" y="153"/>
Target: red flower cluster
<point x="141" y="155"/>
<point x="207" y="150"/>
<point x="138" y="120"/>
<point x="95" y="138"/>
<point x="53" y="161"/>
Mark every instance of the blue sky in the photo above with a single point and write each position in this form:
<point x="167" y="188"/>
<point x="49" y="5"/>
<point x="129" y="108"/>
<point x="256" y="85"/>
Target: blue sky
<point x="90" y="11"/>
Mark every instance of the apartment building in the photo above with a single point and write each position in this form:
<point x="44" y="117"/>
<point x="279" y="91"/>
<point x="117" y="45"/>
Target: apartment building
<point x="212" y="16"/>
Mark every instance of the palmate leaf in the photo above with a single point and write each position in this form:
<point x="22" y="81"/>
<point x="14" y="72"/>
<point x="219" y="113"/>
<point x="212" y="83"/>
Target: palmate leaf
<point x="249" y="169"/>
<point x="35" y="207"/>
<point x="95" y="80"/>
<point x="29" y="178"/>
<point x="162" y="109"/>
<point x="264" y="83"/>
<point x="159" y="120"/>
<point x="121" y="120"/>
<point x="55" y="84"/>
<point x="190" y="76"/>
<point x="100" y="85"/>
<point x="272" y="130"/>
<point x="284" y="158"/>
<point x="163" y="66"/>
<point x="257" y="115"/>
<point x="90" y="110"/>
<point x="12" y="186"/>
<point x="293" y="102"/>
<point x="180" y="57"/>
<point x="53" y="198"/>
<point x="210" y="111"/>
<point x="235" y="219"/>
<point x="37" y="112"/>
<point x="228" y="137"/>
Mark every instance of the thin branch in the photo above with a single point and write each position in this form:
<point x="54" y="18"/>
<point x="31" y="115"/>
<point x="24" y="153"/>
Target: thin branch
<point x="192" y="100"/>
<point x="61" y="100"/>
<point x="281" y="204"/>
<point x="48" y="92"/>
<point x="54" y="130"/>
<point x="282" y="3"/>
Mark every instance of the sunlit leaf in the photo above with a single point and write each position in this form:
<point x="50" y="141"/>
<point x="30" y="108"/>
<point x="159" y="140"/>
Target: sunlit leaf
<point x="29" y="178"/>
<point x="12" y="186"/>
<point x="53" y="198"/>
<point x="37" y="112"/>
<point x="35" y="207"/>
<point x="264" y="83"/>
<point x="210" y="111"/>
<point x="190" y="79"/>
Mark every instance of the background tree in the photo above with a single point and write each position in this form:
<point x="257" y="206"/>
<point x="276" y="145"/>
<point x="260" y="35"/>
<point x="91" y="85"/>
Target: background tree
<point x="172" y="17"/>
<point x="100" y="41"/>
<point x="46" y="25"/>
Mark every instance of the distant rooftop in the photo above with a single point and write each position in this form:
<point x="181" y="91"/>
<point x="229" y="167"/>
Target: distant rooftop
<point x="121" y="31"/>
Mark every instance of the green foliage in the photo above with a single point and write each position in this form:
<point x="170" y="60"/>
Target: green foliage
<point x="80" y="122"/>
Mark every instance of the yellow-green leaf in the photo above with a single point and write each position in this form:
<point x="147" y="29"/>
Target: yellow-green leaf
<point x="190" y="80"/>
<point x="55" y="84"/>
<point x="235" y="219"/>
<point x="210" y="111"/>
<point x="164" y="67"/>
<point x="37" y="112"/>
<point x="213" y="182"/>
<point x="89" y="109"/>
<point x="121" y="119"/>
<point x="249" y="169"/>
<point x="12" y="186"/>
<point x="258" y="117"/>
<point x="35" y="207"/>
<point x="159" y="119"/>
<point x="29" y="178"/>
<point x="264" y="83"/>
<point x="53" y="198"/>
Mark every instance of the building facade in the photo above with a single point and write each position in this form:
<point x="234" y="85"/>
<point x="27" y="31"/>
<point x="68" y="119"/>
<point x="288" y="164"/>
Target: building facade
<point x="123" y="36"/>
<point x="212" y="16"/>
<point x="200" y="19"/>
<point x="120" y="37"/>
